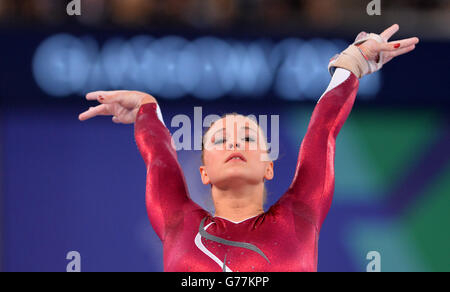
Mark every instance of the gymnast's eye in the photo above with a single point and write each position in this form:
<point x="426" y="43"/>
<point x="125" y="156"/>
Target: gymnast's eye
<point x="220" y="141"/>
<point x="248" y="139"/>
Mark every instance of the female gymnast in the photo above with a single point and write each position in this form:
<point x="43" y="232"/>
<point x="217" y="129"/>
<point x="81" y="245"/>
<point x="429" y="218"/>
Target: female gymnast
<point x="241" y="236"/>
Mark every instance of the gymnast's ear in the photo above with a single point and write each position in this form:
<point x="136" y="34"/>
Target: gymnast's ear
<point x="268" y="175"/>
<point x="204" y="176"/>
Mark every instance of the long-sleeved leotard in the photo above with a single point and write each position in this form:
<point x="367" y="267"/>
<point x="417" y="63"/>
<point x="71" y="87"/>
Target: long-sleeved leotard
<point x="285" y="238"/>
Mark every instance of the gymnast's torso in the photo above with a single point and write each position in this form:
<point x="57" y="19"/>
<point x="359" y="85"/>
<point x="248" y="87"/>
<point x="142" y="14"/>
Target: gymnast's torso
<point x="285" y="237"/>
<point x="278" y="240"/>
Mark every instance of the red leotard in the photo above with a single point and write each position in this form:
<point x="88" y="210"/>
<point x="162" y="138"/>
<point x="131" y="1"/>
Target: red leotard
<point x="285" y="238"/>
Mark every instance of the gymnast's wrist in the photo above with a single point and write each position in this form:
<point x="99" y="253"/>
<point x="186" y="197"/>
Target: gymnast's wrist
<point x="352" y="59"/>
<point x="147" y="99"/>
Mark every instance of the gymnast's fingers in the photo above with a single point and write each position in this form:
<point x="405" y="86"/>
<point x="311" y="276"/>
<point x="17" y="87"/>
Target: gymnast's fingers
<point x="399" y="52"/>
<point x="100" y="110"/>
<point x="394" y="46"/>
<point x="116" y="120"/>
<point x="105" y="97"/>
<point x="389" y="32"/>
<point x="406" y="42"/>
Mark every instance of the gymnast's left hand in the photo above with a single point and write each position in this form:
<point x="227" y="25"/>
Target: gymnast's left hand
<point x="372" y="49"/>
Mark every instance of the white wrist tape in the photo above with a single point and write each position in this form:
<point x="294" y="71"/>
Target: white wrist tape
<point x="373" y="66"/>
<point x="353" y="59"/>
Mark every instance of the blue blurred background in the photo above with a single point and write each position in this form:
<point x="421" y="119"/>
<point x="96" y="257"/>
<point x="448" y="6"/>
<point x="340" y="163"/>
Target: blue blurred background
<point x="71" y="186"/>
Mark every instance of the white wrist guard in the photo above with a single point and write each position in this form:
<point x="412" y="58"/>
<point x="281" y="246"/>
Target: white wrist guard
<point x="354" y="60"/>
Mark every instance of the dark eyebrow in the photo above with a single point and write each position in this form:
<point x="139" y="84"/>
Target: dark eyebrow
<point x="248" y="128"/>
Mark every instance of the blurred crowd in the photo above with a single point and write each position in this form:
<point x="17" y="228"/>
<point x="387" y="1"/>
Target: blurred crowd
<point x="225" y="14"/>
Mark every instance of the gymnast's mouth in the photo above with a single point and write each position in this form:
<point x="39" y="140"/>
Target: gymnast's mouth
<point x="236" y="157"/>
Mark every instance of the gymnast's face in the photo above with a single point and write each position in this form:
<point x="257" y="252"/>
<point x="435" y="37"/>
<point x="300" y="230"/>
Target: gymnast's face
<point x="235" y="152"/>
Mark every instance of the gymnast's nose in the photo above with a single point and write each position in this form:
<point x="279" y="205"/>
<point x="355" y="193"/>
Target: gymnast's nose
<point x="232" y="146"/>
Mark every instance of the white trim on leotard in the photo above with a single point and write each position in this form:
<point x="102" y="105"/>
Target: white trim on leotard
<point x="201" y="246"/>
<point x="339" y="76"/>
<point x="159" y="114"/>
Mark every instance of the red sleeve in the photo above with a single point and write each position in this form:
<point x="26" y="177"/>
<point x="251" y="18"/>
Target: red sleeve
<point x="311" y="191"/>
<point x="167" y="197"/>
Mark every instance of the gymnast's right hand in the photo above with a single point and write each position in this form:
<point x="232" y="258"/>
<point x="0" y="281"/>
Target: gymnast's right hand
<point x="122" y="105"/>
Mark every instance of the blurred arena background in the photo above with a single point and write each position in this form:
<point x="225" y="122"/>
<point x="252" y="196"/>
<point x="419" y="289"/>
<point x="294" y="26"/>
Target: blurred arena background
<point x="71" y="186"/>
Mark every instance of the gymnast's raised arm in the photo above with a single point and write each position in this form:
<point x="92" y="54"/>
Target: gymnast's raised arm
<point x="167" y="195"/>
<point x="311" y="191"/>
